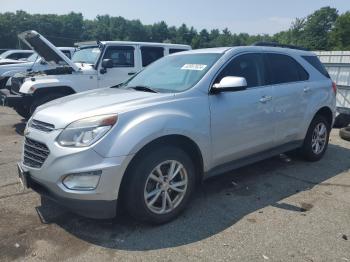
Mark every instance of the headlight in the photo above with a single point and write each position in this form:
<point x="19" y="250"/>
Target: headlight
<point x="86" y="131"/>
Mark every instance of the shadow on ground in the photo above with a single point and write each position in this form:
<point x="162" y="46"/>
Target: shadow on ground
<point x="19" y="127"/>
<point x="218" y="204"/>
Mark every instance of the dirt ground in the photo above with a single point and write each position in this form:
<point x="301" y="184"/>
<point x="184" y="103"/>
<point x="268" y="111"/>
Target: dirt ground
<point x="281" y="209"/>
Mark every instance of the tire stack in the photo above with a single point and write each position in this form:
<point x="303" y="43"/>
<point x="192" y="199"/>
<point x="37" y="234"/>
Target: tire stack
<point x="344" y="133"/>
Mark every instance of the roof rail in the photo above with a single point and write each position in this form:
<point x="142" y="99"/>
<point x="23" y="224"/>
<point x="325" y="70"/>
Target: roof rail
<point x="275" y="44"/>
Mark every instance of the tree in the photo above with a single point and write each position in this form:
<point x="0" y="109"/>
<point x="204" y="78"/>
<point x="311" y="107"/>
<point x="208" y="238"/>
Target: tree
<point x="317" y="28"/>
<point x="340" y="36"/>
<point x="323" y="30"/>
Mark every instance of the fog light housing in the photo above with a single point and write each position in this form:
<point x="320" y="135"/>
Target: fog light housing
<point x="82" y="181"/>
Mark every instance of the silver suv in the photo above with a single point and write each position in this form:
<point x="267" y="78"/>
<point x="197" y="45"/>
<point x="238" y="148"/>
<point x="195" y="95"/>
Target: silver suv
<point x="146" y="143"/>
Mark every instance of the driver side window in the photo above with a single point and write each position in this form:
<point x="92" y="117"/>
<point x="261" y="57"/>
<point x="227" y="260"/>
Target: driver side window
<point x="122" y="56"/>
<point x="249" y="66"/>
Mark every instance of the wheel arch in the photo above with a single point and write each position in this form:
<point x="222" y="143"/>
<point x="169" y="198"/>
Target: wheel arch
<point x="327" y="113"/>
<point x="183" y="142"/>
<point x="66" y="90"/>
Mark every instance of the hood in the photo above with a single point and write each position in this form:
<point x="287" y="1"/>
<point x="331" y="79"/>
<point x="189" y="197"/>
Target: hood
<point x="11" y="61"/>
<point x="46" y="49"/>
<point x="66" y="110"/>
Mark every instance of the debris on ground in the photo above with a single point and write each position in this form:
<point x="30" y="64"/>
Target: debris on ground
<point x="345" y="237"/>
<point x="265" y="257"/>
<point x="285" y="158"/>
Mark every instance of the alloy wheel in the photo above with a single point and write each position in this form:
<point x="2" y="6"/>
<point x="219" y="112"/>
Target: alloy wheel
<point x="165" y="187"/>
<point x="319" y="138"/>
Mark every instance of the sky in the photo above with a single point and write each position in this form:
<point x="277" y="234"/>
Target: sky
<point x="247" y="16"/>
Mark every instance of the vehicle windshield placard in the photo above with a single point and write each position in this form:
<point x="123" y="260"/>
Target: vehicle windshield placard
<point x="196" y="67"/>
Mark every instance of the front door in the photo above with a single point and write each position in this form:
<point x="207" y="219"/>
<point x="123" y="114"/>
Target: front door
<point x="124" y="65"/>
<point x="242" y="121"/>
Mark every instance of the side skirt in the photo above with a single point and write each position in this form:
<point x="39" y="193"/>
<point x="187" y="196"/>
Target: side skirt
<point x="252" y="159"/>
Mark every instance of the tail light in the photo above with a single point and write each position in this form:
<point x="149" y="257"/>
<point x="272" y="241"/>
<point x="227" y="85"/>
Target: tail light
<point x="334" y="86"/>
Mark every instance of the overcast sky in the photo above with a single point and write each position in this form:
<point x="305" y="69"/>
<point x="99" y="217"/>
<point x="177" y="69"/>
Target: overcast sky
<point x="250" y="16"/>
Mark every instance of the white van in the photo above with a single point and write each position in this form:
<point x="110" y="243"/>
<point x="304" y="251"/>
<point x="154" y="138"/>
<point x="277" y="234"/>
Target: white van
<point x="100" y="65"/>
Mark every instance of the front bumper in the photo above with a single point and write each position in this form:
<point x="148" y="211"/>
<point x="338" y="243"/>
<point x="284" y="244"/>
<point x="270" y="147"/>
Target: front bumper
<point x="98" y="209"/>
<point x="47" y="180"/>
<point x="13" y="100"/>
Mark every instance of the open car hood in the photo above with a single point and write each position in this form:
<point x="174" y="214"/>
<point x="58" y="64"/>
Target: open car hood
<point x="46" y="49"/>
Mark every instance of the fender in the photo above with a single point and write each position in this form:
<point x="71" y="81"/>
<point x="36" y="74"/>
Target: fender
<point x="29" y="86"/>
<point x="320" y="99"/>
<point x="135" y="130"/>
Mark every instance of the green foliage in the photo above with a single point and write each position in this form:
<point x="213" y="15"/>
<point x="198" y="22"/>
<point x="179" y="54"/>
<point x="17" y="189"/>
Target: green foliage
<point x="340" y="35"/>
<point x="322" y="30"/>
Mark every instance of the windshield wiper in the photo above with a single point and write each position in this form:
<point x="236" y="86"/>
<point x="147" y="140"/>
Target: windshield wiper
<point x="143" y="88"/>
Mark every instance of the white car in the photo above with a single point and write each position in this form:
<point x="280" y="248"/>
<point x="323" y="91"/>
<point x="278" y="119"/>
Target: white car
<point x="34" y="63"/>
<point x="100" y="65"/>
<point x="14" y="56"/>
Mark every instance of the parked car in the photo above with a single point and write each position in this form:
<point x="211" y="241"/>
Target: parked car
<point x="100" y="65"/>
<point x="14" y="56"/>
<point x="146" y="143"/>
<point x="34" y="63"/>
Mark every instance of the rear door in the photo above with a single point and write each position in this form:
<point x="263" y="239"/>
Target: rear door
<point x="124" y="65"/>
<point x="242" y="121"/>
<point x="290" y="87"/>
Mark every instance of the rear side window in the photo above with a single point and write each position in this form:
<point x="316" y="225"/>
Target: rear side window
<point x="284" y="69"/>
<point x="176" y="50"/>
<point x="151" y="54"/>
<point x="316" y="63"/>
<point x="122" y="56"/>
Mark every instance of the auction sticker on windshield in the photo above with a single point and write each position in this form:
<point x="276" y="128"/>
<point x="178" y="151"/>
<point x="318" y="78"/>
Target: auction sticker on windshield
<point x="197" y="67"/>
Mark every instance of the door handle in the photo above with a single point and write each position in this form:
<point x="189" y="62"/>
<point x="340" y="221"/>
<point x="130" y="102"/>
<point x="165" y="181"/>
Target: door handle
<point x="131" y="73"/>
<point x="306" y="89"/>
<point x="265" y="99"/>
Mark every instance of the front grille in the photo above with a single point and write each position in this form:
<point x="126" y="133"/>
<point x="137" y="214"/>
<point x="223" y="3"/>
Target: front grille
<point x="35" y="153"/>
<point x="42" y="126"/>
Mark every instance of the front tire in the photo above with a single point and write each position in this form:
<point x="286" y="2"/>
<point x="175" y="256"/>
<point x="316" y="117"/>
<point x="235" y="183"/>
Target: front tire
<point x="159" y="185"/>
<point x="316" y="140"/>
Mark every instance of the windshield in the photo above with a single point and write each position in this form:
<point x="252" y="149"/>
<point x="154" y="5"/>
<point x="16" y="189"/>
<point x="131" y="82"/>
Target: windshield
<point x="86" y="55"/>
<point x="173" y="73"/>
<point x="32" y="58"/>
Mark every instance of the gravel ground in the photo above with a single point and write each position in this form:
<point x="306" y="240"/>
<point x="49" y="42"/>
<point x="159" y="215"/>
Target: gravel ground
<point x="281" y="209"/>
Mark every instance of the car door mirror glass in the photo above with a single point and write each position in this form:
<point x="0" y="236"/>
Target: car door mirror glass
<point x="230" y="84"/>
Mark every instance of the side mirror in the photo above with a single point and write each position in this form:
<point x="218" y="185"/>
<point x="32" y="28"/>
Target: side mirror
<point x="230" y="84"/>
<point x="107" y="63"/>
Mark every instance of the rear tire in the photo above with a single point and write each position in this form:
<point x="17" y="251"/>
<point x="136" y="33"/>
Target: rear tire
<point x="344" y="133"/>
<point x="316" y="140"/>
<point x="149" y="180"/>
<point x="42" y="100"/>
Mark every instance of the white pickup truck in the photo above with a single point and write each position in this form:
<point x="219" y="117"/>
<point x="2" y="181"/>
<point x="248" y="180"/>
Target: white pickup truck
<point x="99" y="65"/>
